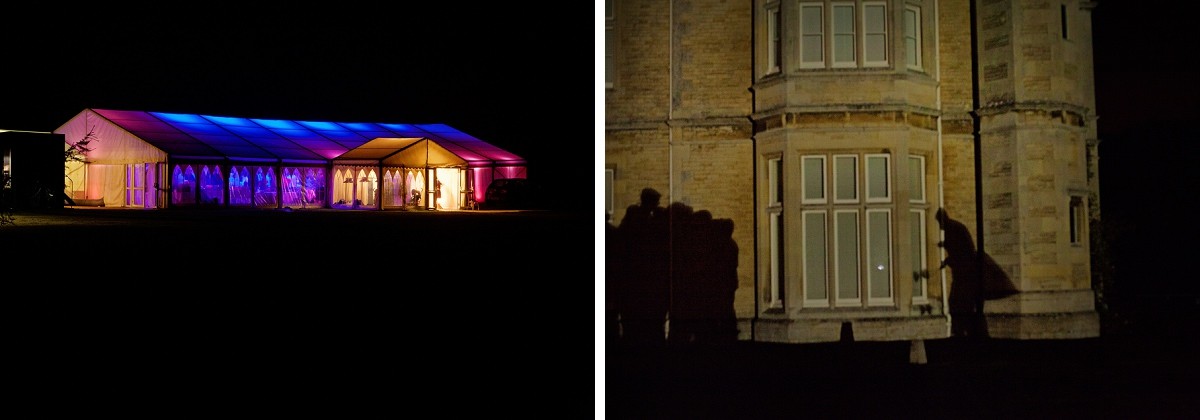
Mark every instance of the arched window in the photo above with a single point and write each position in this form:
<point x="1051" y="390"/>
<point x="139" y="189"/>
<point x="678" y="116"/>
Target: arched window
<point x="183" y="184"/>
<point x="212" y="186"/>
<point x="264" y="187"/>
<point x="239" y="186"/>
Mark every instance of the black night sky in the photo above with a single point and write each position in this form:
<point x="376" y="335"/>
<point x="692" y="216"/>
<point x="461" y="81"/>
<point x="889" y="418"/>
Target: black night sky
<point x="522" y="77"/>
<point x="494" y="71"/>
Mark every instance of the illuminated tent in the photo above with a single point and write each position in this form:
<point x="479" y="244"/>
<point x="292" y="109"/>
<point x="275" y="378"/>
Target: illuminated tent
<point x="158" y="159"/>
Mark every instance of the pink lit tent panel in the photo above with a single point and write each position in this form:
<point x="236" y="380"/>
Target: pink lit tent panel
<point x="130" y="137"/>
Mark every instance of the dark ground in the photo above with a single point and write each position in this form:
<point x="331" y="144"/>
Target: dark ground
<point x="345" y="314"/>
<point x="1143" y="371"/>
<point x="1087" y="378"/>
<point x="272" y="314"/>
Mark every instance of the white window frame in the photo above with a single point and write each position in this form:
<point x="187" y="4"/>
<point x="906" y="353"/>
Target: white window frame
<point x="921" y="265"/>
<point x="863" y="39"/>
<point x="920" y="163"/>
<point x="775" y="229"/>
<point x="609" y="176"/>
<point x="916" y="36"/>
<point x="804" y="182"/>
<point x="135" y="185"/>
<point x="823" y="302"/>
<point x="774" y="39"/>
<point x="775" y="181"/>
<point x="609" y="47"/>
<point x="1077" y="220"/>
<point x="887" y="178"/>
<point x="834" y="180"/>
<point x="804" y="32"/>
<point x="833" y="35"/>
<point x="855" y="301"/>
<point x="891" y="264"/>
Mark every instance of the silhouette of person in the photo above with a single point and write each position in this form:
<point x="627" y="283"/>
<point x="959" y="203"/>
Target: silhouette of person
<point x="725" y="260"/>
<point x="688" y="282"/>
<point x="645" y="294"/>
<point x="966" y="298"/>
<point x="704" y="278"/>
<point x="977" y="278"/>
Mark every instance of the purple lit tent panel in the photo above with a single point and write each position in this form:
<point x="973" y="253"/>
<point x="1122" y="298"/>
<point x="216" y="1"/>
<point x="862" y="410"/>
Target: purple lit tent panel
<point x="127" y="138"/>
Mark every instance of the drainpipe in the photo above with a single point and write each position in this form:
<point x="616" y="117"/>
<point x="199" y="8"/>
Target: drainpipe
<point x="978" y="142"/>
<point x="754" y="180"/>
<point x="937" y="52"/>
<point x="670" y="102"/>
<point x="670" y="161"/>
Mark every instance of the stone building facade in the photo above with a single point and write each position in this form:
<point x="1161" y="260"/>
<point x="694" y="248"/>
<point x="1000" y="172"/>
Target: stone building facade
<point x="844" y="139"/>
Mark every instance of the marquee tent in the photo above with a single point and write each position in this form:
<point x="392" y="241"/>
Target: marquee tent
<point x="159" y="159"/>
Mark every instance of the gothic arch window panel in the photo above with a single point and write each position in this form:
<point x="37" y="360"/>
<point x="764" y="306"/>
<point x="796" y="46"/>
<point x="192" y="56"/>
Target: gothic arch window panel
<point x="291" y="185"/>
<point x="212" y="185"/>
<point x="265" y="187"/>
<point x="343" y="188"/>
<point x="390" y="189"/>
<point x="183" y="185"/>
<point x="239" y="186"/>
<point x="314" y="186"/>
<point x="365" y="190"/>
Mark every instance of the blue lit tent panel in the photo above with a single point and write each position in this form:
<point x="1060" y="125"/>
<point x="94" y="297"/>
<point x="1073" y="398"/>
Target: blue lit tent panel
<point x="158" y="133"/>
<point x="198" y="135"/>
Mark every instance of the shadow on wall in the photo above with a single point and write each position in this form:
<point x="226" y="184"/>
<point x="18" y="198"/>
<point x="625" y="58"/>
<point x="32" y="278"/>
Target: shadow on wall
<point x="670" y="263"/>
<point x="977" y="278"/>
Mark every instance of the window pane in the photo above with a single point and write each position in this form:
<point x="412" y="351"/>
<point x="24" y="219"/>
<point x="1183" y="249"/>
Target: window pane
<point x="773" y="33"/>
<point x="873" y="19"/>
<point x="910" y="23"/>
<point x="843" y="19"/>
<point x="608" y="55"/>
<point x="874" y="49"/>
<point x="774" y="180"/>
<point x="916" y="225"/>
<point x="910" y="51"/>
<point x="846" y="185"/>
<point x="811" y="20"/>
<point x="912" y="36"/>
<point x="814" y="256"/>
<point x="877" y="177"/>
<point x="843" y="29"/>
<point x="916" y="178"/>
<point x="776" y="257"/>
<point x="875" y="34"/>
<point x="814" y="178"/>
<point x="1076" y="221"/>
<point x="847" y="254"/>
<point x="812" y="48"/>
<point x="879" y="259"/>
<point x="608" y="191"/>
<point x="843" y="48"/>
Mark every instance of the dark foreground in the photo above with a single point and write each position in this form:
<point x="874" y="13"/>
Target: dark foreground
<point x="1114" y="377"/>
<point x="314" y="314"/>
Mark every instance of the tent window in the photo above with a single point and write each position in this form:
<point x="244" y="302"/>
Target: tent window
<point x="265" y="186"/>
<point x="212" y="185"/>
<point x="239" y="186"/>
<point x="183" y="185"/>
